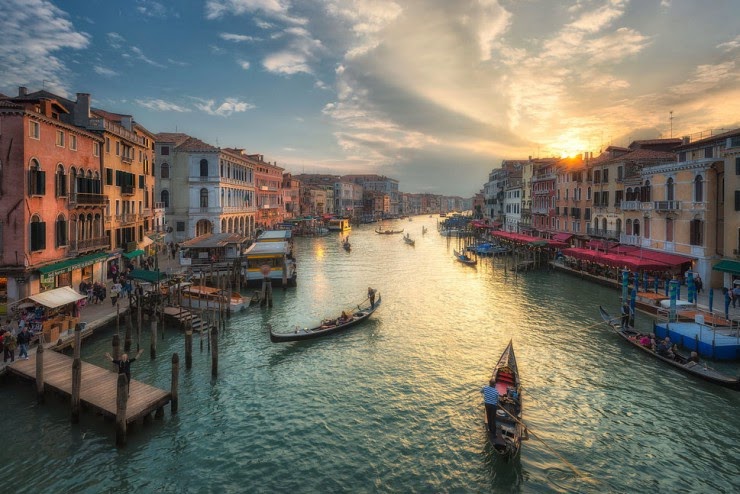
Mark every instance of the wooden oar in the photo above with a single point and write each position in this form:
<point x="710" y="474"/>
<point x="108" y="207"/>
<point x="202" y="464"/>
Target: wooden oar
<point x="575" y="470"/>
<point x="613" y="319"/>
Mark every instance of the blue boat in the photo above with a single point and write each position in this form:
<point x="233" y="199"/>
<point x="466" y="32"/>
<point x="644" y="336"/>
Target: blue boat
<point x="717" y="343"/>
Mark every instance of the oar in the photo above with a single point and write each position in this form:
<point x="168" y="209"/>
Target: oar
<point x="575" y="470"/>
<point x="611" y="320"/>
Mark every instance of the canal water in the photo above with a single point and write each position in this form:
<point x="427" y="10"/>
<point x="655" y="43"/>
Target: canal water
<point x="394" y="405"/>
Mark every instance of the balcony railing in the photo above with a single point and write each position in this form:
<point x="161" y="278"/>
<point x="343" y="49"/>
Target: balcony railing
<point x="79" y="246"/>
<point x="598" y="232"/>
<point x="127" y="159"/>
<point x="629" y="239"/>
<point x="666" y="205"/>
<point x="86" y="199"/>
<point x="631" y="205"/>
<point x="127" y="190"/>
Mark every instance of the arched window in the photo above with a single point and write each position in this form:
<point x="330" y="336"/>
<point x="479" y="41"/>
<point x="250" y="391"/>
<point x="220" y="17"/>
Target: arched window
<point x="628" y="194"/>
<point x="698" y="190"/>
<point x="603" y="224"/>
<point x="60" y="229"/>
<point x="38" y="233"/>
<point x="696" y="232"/>
<point x="36" y="179"/>
<point x="669" y="230"/>
<point x="588" y="194"/>
<point x="596" y="224"/>
<point x="645" y="192"/>
<point x="164" y="170"/>
<point x="203" y="168"/>
<point x="164" y="196"/>
<point x="669" y="186"/>
<point x="204" y="198"/>
<point x="646" y="227"/>
<point x="619" y="226"/>
<point x="60" y="182"/>
<point x="629" y="227"/>
<point x="636" y="227"/>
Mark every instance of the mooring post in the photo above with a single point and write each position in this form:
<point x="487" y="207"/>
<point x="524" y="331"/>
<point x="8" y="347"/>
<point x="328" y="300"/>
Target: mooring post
<point x="173" y="386"/>
<point x="139" y="300"/>
<point x="153" y="344"/>
<point x="40" y="372"/>
<point x="118" y="318"/>
<point x="121" y="402"/>
<point x="127" y="335"/>
<point x="188" y="349"/>
<point x="214" y="353"/>
<point x="76" y="375"/>
<point x="116" y="347"/>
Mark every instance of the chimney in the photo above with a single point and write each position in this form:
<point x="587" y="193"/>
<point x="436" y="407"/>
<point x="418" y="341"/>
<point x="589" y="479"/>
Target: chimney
<point x="82" y="110"/>
<point x="127" y="122"/>
<point x="22" y="91"/>
<point x="686" y="140"/>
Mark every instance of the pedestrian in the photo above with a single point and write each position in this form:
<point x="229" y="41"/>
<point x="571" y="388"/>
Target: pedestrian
<point x="123" y="364"/>
<point x="24" y="339"/>
<point x="9" y="344"/>
<point x="490" y="399"/>
<point x="115" y="292"/>
<point x="736" y="295"/>
<point x="698" y="283"/>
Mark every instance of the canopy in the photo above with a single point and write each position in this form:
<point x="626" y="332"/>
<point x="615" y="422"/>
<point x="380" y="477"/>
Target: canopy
<point x="728" y="266"/>
<point x="615" y="260"/>
<point x="71" y="264"/>
<point x="562" y="237"/>
<point x="57" y="297"/>
<point x="150" y="276"/>
<point x="133" y="253"/>
<point x="145" y="241"/>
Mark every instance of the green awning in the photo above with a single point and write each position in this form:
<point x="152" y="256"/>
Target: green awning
<point x="133" y="253"/>
<point x="71" y="264"/>
<point x="150" y="276"/>
<point x="728" y="266"/>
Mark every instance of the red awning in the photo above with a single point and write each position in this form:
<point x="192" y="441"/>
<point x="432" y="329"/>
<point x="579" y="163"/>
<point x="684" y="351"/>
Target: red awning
<point x="660" y="257"/>
<point x="615" y="260"/>
<point x="601" y="244"/>
<point x="562" y="237"/>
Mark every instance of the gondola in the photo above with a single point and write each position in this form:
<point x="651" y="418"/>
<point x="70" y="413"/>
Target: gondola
<point x="388" y="232"/>
<point x="463" y="258"/>
<point x="504" y="422"/>
<point x="409" y="240"/>
<point x="346" y="245"/>
<point x="328" y="326"/>
<point x="680" y="361"/>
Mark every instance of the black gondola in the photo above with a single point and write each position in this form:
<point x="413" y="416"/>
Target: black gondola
<point x="328" y="326"/>
<point x="388" y="232"/>
<point x="679" y="361"/>
<point x="504" y="422"/>
<point x="463" y="258"/>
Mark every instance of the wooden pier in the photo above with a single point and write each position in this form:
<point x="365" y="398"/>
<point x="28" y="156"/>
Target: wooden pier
<point x="98" y="389"/>
<point x="186" y="318"/>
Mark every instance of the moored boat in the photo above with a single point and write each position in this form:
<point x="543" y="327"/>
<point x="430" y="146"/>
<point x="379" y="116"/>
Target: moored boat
<point x="463" y="258"/>
<point x="679" y="360"/>
<point x="359" y="313"/>
<point x="504" y="421"/>
<point x="206" y="297"/>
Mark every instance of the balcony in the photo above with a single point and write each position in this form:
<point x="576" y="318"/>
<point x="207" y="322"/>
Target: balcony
<point x="128" y="218"/>
<point x="631" y="205"/>
<point x="598" y="232"/>
<point x="697" y="206"/>
<point x="665" y="206"/>
<point x="127" y="160"/>
<point x="85" y="199"/>
<point x="81" y="246"/>
<point x="630" y="239"/>
<point x="127" y="190"/>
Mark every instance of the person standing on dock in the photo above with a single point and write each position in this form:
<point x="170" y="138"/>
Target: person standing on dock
<point x="124" y="363"/>
<point x="24" y="339"/>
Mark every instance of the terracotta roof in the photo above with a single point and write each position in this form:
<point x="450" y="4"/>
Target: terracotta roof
<point x="651" y="142"/>
<point x="717" y="137"/>
<point x="193" y="144"/>
<point x="175" y="137"/>
<point x="645" y="154"/>
<point x="113" y="117"/>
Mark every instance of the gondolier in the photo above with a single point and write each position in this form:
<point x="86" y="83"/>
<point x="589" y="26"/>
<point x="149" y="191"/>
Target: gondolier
<point x="490" y="398"/>
<point x="371" y="296"/>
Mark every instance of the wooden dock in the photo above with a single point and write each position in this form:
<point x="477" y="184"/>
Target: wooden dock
<point x="186" y="318"/>
<point x="98" y="389"/>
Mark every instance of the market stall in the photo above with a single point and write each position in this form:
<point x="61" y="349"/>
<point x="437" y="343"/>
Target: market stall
<point x="51" y="312"/>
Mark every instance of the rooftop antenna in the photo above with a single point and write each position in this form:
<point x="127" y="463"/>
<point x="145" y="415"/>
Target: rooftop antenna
<point x="671" y="120"/>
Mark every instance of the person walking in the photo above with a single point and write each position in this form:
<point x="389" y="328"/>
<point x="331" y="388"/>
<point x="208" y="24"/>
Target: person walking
<point x="9" y="344"/>
<point x="115" y="292"/>
<point x="24" y="339"/>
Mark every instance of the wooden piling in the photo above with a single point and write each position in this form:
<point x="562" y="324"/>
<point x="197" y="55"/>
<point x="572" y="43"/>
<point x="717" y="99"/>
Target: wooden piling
<point x="139" y="300"/>
<point x="127" y="335"/>
<point x="40" y="372"/>
<point x="188" y="349"/>
<point x="174" y="386"/>
<point x="153" y="344"/>
<point x="76" y="375"/>
<point x="214" y="353"/>
<point x="118" y="318"/>
<point x="116" y="347"/>
<point x="121" y="402"/>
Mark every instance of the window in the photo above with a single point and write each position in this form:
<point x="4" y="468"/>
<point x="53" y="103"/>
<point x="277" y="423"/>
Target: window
<point x="618" y="198"/>
<point x="620" y="171"/>
<point x="628" y="230"/>
<point x="605" y="198"/>
<point x="141" y="181"/>
<point x="636" y="228"/>
<point x="165" y="198"/>
<point x="203" y="168"/>
<point x="118" y="148"/>
<point x="61" y="231"/>
<point x="165" y="150"/>
<point x="606" y="175"/>
<point x="96" y="149"/>
<point x="709" y="152"/>
<point x="698" y="189"/>
<point x="645" y="192"/>
<point x="109" y="176"/>
<point x="737" y="200"/>
<point x="34" y="130"/>
<point x="646" y="227"/>
<point x="180" y="226"/>
<point x="619" y="225"/>
<point x="597" y="176"/>
<point x="682" y="156"/>
<point x="36" y="180"/>
<point x="38" y="233"/>
<point x="669" y="190"/>
<point x="204" y="198"/>
<point x="737" y="166"/>
<point x="164" y="170"/>
<point x="60" y="182"/>
<point x="73" y="143"/>
<point x="107" y="144"/>
<point x="696" y="232"/>
<point x="588" y="194"/>
<point x="669" y="230"/>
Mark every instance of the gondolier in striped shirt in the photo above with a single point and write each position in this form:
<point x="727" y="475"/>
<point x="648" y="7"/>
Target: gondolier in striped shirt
<point x="490" y="398"/>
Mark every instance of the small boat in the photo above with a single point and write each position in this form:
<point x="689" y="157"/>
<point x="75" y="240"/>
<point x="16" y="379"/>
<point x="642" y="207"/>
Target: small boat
<point x="409" y="240"/>
<point x="206" y="297"/>
<point x="346" y="245"/>
<point x="423" y="230"/>
<point x="388" y="232"/>
<point x="463" y="258"/>
<point x="679" y="361"/>
<point x="329" y="326"/>
<point x="507" y="430"/>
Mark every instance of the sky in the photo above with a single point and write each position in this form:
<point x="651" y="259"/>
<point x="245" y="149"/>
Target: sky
<point x="433" y="93"/>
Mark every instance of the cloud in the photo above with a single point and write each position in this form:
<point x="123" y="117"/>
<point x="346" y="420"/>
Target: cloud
<point x="733" y="44"/>
<point x="161" y="105"/>
<point x="139" y="54"/>
<point x="287" y="63"/>
<point x="297" y="56"/>
<point x="104" y="71"/>
<point x="150" y="8"/>
<point x="273" y="9"/>
<point x="706" y="78"/>
<point x="225" y="109"/>
<point x="115" y="40"/>
<point x="33" y="33"/>
<point x="118" y="42"/>
<point x="236" y="38"/>
<point x="177" y="62"/>
<point x="243" y="64"/>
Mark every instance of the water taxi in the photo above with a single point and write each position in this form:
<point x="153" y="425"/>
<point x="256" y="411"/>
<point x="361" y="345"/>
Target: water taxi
<point x="272" y="260"/>
<point x="206" y="297"/>
<point x="339" y="225"/>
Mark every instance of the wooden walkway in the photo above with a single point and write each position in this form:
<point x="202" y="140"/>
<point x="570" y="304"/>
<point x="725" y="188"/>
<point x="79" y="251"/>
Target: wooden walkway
<point x="98" y="388"/>
<point x="186" y="318"/>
